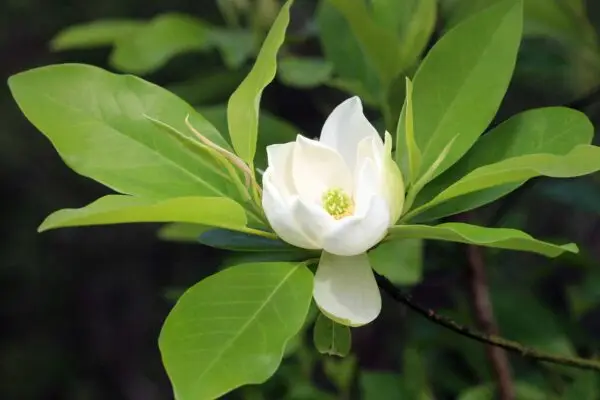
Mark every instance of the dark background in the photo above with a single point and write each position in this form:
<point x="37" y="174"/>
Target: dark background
<point x="81" y="309"/>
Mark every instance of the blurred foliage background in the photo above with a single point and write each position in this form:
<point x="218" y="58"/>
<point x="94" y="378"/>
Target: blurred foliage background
<point x="80" y="309"/>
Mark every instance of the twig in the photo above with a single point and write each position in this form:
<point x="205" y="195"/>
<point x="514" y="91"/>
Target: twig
<point x="509" y="345"/>
<point x="484" y="315"/>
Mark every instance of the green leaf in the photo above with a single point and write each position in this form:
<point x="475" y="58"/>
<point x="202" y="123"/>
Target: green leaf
<point x="414" y="20"/>
<point x="585" y="386"/>
<point x="535" y="325"/>
<point x="341" y="48"/>
<point x="271" y="130"/>
<point x="117" y="209"/>
<point x="182" y="232"/>
<point x="405" y="139"/>
<point x="243" y="106"/>
<point x="381" y="385"/>
<point x="582" y="160"/>
<point x="340" y="372"/>
<point x="331" y="338"/>
<point x="97" y="122"/>
<point x="231" y="328"/>
<point x="304" y="72"/>
<point x="461" y="82"/>
<point x="581" y="194"/>
<point x="502" y="238"/>
<point x="242" y="241"/>
<point x="209" y="87"/>
<point x="150" y="47"/>
<point x="235" y="45"/>
<point x="414" y="375"/>
<point x="380" y="46"/>
<point x="94" y="34"/>
<point x="552" y="130"/>
<point x="401" y="261"/>
<point x="488" y="392"/>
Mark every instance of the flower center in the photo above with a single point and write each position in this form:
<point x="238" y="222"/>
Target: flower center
<point x="337" y="203"/>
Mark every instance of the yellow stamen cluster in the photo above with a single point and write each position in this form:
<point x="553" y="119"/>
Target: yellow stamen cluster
<point x="338" y="203"/>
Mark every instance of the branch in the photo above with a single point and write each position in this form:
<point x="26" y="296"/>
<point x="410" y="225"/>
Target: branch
<point x="509" y="345"/>
<point x="484" y="314"/>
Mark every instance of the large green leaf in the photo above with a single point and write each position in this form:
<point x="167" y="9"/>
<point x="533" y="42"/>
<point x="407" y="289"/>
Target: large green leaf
<point x="94" y="34"/>
<point x="331" y="338"/>
<point x="148" y="48"/>
<point x="230" y="329"/>
<point x="461" y="82"/>
<point x="381" y="46"/>
<point x="502" y="238"/>
<point x="582" y="160"/>
<point x="97" y="121"/>
<point x="552" y="130"/>
<point x="118" y="209"/>
<point x="271" y="130"/>
<point x="244" y="103"/>
<point x="401" y="261"/>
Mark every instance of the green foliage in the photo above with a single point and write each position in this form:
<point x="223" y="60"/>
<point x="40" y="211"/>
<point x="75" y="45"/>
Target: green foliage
<point x="582" y="160"/>
<point x="353" y="72"/>
<point x="401" y="261"/>
<point x="487" y="392"/>
<point x="231" y="239"/>
<point x="211" y="338"/>
<point x="233" y="328"/>
<point x="95" y="120"/>
<point x="117" y="209"/>
<point x="243" y="106"/>
<point x="271" y="130"/>
<point x="150" y="47"/>
<point x="94" y="34"/>
<point x="414" y="20"/>
<point x="304" y="72"/>
<point x="502" y="238"/>
<point x="379" y="45"/>
<point x="331" y="338"/>
<point x="552" y="130"/>
<point x="461" y="81"/>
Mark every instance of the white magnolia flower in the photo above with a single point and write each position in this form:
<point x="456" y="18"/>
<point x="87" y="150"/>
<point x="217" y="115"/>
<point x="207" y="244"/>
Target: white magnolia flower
<point x="339" y="194"/>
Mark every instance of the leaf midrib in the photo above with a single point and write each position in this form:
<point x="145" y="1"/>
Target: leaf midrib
<point x="252" y="319"/>
<point x="114" y="130"/>
<point x="433" y="136"/>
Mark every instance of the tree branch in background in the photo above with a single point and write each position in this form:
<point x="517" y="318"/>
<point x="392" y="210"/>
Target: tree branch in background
<point x="484" y="315"/>
<point x="509" y="345"/>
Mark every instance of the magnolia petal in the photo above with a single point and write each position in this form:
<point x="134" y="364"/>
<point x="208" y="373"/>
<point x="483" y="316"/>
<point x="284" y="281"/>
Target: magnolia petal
<point x="358" y="233"/>
<point x="317" y="168"/>
<point x="279" y="158"/>
<point x="281" y="214"/>
<point x="314" y="220"/>
<point x="367" y="182"/>
<point x="345" y="289"/>
<point x="345" y="127"/>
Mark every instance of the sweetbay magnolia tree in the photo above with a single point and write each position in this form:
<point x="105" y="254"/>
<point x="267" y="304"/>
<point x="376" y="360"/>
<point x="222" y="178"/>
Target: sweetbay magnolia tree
<point x="331" y="202"/>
